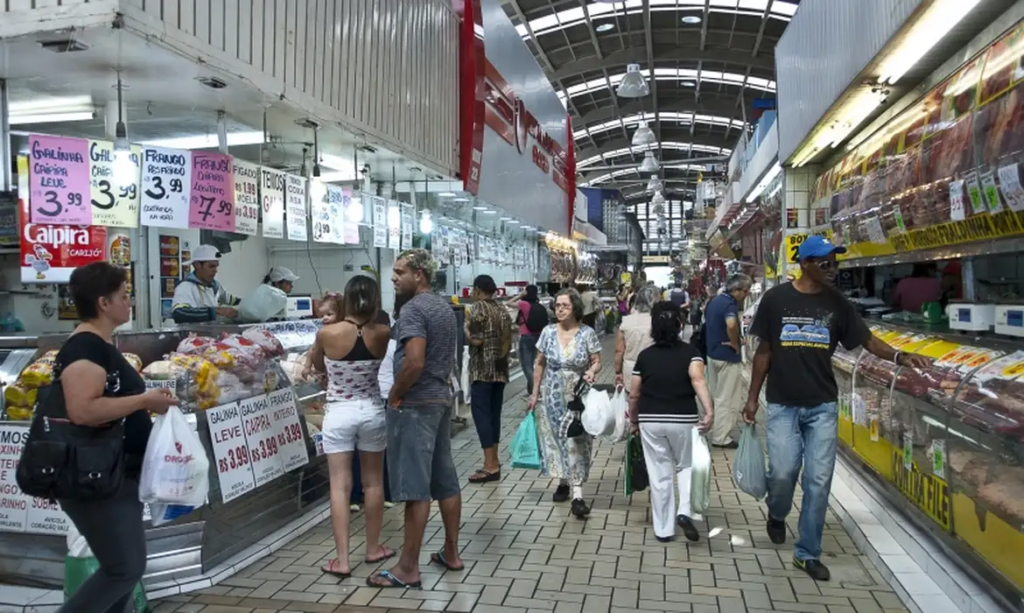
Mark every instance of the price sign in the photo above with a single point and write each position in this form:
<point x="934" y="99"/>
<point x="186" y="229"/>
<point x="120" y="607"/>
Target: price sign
<point x="261" y="438"/>
<point x="908" y="451"/>
<point x="295" y="208"/>
<point x="230" y="451"/>
<point x="114" y="191"/>
<point x="18" y="511"/>
<point x="408" y="220"/>
<point x="320" y="211"/>
<point x="988" y="184"/>
<point x="212" y="205"/>
<point x="272" y="195"/>
<point x="874" y="430"/>
<point x="939" y="458"/>
<point x="1009" y="184"/>
<point x="380" y="221"/>
<point x="162" y="384"/>
<point x="166" y="187"/>
<point x="394" y="225"/>
<point x="284" y="415"/>
<point x="352" y="209"/>
<point x="793" y="242"/>
<point x="336" y="214"/>
<point x="956" y="201"/>
<point x="974" y="193"/>
<point x="59" y="180"/>
<point x="247" y="198"/>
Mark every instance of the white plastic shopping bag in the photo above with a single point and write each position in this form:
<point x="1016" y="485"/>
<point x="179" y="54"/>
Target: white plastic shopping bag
<point x="620" y="410"/>
<point x="597" y="417"/>
<point x="700" y="484"/>
<point x="264" y="302"/>
<point x="175" y="469"/>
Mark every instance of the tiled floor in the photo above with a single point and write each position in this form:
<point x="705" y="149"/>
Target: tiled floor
<point x="525" y="554"/>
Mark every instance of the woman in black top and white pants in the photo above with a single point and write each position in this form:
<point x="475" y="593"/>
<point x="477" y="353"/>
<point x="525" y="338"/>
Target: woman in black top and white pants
<point x="667" y="379"/>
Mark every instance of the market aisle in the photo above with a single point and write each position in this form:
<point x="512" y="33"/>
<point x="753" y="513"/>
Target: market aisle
<point x="524" y="554"/>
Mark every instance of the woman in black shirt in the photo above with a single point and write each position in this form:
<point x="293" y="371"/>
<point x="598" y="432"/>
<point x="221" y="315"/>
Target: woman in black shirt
<point x="667" y="379"/>
<point x="101" y="387"/>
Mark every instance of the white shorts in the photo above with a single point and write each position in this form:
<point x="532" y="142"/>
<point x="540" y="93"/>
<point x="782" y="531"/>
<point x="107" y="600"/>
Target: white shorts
<point x="354" y="424"/>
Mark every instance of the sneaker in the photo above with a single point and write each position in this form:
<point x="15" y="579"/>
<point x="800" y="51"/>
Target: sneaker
<point x="388" y="504"/>
<point x="777" y="531"/>
<point x="561" y="493"/>
<point x="814" y="568"/>
<point x="689" y="530"/>
<point x="353" y="508"/>
<point x="665" y="539"/>
<point x="580" y="508"/>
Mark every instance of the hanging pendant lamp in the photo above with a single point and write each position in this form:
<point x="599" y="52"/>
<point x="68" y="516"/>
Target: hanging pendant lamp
<point x="658" y="198"/>
<point x="644" y="136"/>
<point x="650" y="163"/>
<point x="655" y="184"/>
<point x="633" y="85"/>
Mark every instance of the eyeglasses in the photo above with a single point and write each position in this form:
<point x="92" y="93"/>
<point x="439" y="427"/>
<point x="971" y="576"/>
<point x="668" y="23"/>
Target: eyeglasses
<point x="559" y="305"/>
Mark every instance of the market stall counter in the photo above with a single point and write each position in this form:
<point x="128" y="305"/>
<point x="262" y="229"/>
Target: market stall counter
<point x="242" y="388"/>
<point x="946" y="442"/>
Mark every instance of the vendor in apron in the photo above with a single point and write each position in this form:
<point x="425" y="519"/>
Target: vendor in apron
<point x="199" y="297"/>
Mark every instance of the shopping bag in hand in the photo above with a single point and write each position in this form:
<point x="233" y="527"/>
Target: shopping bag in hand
<point x="80" y="564"/>
<point x="700" y="484"/>
<point x="620" y="409"/>
<point x="525" y="445"/>
<point x="748" y="466"/>
<point x="636" y="466"/>
<point x="175" y="469"/>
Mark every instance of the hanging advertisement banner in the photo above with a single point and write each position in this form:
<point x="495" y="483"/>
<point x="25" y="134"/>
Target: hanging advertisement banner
<point x="59" y="180"/>
<point x="320" y="211"/>
<point x="295" y="208"/>
<point x="247" y="198"/>
<point x="212" y="203"/>
<point x="408" y="219"/>
<point x="380" y="221"/>
<point x="114" y="198"/>
<point x="394" y="224"/>
<point x="166" y="187"/>
<point x="272" y="192"/>
<point x="49" y="253"/>
<point x="352" y="206"/>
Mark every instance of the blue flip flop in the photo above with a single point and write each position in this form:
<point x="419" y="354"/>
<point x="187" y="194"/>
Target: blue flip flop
<point x="393" y="581"/>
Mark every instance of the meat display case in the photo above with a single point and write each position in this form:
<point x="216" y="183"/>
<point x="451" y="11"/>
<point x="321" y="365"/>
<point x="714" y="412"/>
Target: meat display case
<point x="947" y="443"/>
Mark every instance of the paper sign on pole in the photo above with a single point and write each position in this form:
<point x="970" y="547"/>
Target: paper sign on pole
<point x="261" y="438"/>
<point x="59" y="180"/>
<point x="380" y="221"/>
<point x="212" y="205"/>
<point x="272" y="194"/>
<point x="319" y="211"/>
<point x="295" y="208"/>
<point x="408" y="219"/>
<point x="247" y="198"/>
<point x="230" y="452"/>
<point x="114" y="198"/>
<point x="335" y="215"/>
<point x="352" y="206"/>
<point x="394" y="225"/>
<point x="166" y="187"/>
<point x="284" y="414"/>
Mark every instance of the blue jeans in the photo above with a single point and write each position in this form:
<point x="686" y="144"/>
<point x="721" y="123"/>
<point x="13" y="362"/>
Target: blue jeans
<point x="486" y="398"/>
<point x="807" y="436"/>
<point x="527" y="356"/>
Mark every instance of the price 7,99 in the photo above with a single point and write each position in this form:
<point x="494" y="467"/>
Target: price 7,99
<point x="236" y="458"/>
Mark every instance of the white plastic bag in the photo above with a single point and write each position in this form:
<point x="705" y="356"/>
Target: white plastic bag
<point x="700" y="483"/>
<point x="597" y="417"/>
<point x="175" y="469"/>
<point x="620" y="409"/>
<point x="264" y="302"/>
<point x="77" y="547"/>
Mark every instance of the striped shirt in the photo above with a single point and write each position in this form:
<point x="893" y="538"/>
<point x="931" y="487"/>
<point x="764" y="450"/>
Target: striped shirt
<point x="666" y="391"/>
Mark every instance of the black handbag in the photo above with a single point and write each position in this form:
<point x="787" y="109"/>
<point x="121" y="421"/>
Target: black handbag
<point x="65" y="461"/>
<point x="573" y="424"/>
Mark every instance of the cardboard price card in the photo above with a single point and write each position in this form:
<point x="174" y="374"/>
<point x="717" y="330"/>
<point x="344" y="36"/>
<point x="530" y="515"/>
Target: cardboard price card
<point x="212" y="202"/>
<point x="272" y="195"/>
<point x="166" y="187"/>
<point x="230" y="451"/>
<point x="59" y="180"/>
<point x="114" y="196"/>
<point x="284" y="415"/>
<point x="295" y="207"/>
<point x="261" y="439"/>
<point x="247" y="198"/>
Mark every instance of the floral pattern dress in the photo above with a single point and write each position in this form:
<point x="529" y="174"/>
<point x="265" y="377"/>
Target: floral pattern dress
<point x="563" y="458"/>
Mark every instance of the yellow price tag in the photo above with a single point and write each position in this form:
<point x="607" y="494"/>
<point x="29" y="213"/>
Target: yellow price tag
<point x="1013" y="370"/>
<point x="874" y="429"/>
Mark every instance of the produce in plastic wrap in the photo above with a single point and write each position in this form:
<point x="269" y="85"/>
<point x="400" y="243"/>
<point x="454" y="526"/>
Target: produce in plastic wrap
<point x="134" y="360"/>
<point x="16" y="396"/>
<point x="39" y="373"/>
<point x="219" y="355"/>
<point x="232" y="388"/>
<point x="204" y="378"/>
<point x="266" y="341"/>
<point x="19" y="413"/>
<point x="194" y="344"/>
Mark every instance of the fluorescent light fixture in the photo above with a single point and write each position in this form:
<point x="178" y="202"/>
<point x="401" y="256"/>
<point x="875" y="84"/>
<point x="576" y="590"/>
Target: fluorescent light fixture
<point x="479" y="208"/>
<point x="209" y="141"/>
<point x="490" y="212"/>
<point x="447" y="194"/>
<point x="934" y="23"/>
<point x="691" y="20"/>
<point x="770" y="176"/>
<point x="460" y="199"/>
<point x="506" y="219"/>
<point x="633" y="85"/>
<point x="513" y="221"/>
<point x="605" y="27"/>
<point x="644" y="135"/>
<point x="51" y="110"/>
<point x="850" y="115"/>
<point x="337" y="177"/>
<point x="51" y="117"/>
<point x="529" y="228"/>
<point x="650" y="163"/>
<point x="688" y="84"/>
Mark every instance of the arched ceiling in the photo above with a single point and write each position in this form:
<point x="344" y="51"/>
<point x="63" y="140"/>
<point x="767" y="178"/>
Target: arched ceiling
<point x="710" y="59"/>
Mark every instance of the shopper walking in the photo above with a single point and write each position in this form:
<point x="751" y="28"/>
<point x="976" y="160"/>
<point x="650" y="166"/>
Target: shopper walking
<point x="350" y="353"/>
<point x="101" y="387"/>
<point x="419" y="419"/>
<point x="633" y="336"/>
<point x="725" y="359"/>
<point x="532" y="319"/>
<point x="489" y="335"/>
<point x="667" y="379"/>
<point x="566" y="351"/>
<point x="799" y="325"/>
<point x="591" y="305"/>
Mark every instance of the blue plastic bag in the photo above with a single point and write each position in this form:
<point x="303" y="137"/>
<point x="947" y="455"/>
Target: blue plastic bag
<point x="525" y="445"/>
<point x="748" y="466"/>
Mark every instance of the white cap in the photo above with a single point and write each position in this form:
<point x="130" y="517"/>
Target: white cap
<point x="280" y="273"/>
<point x="205" y="253"/>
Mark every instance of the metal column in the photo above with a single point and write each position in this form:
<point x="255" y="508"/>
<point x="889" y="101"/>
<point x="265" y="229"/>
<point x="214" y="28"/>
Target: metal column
<point x="6" y="159"/>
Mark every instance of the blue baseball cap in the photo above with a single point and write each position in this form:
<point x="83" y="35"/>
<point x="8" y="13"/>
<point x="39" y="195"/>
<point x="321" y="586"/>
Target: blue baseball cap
<point x="817" y="246"/>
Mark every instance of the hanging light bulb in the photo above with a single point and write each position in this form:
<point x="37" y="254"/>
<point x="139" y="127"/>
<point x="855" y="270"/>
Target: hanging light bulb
<point x="125" y="170"/>
<point x="644" y="136"/>
<point x="657" y="198"/>
<point x="655" y="184"/>
<point x="633" y="85"/>
<point x="426" y="224"/>
<point x="650" y="163"/>
<point x="659" y="209"/>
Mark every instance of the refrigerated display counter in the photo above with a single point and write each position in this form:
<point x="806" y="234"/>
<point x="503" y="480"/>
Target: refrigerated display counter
<point x="947" y="442"/>
<point x="265" y="470"/>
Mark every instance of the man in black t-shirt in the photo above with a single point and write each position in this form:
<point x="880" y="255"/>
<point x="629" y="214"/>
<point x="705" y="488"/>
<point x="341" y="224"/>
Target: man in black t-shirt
<point x="799" y="325"/>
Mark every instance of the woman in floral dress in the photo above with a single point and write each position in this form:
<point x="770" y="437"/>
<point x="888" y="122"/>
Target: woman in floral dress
<point x="565" y="351"/>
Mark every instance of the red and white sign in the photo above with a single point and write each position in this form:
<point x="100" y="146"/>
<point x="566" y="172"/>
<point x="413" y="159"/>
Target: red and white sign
<point x="49" y="253"/>
<point x="18" y="511"/>
<point x="230" y="451"/>
<point x="284" y="415"/>
<point x="261" y="439"/>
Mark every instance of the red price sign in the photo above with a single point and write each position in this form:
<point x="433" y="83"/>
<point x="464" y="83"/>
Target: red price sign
<point x="261" y="435"/>
<point x="230" y="451"/>
<point x="288" y="429"/>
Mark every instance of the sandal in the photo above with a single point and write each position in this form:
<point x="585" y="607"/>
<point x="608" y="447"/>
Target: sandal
<point x="388" y="554"/>
<point x="482" y="476"/>
<point x="329" y="570"/>
<point x="393" y="581"/>
<point x="438" y="558"/>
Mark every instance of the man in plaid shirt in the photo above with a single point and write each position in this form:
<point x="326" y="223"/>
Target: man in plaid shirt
<point x="489" y="334"/>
